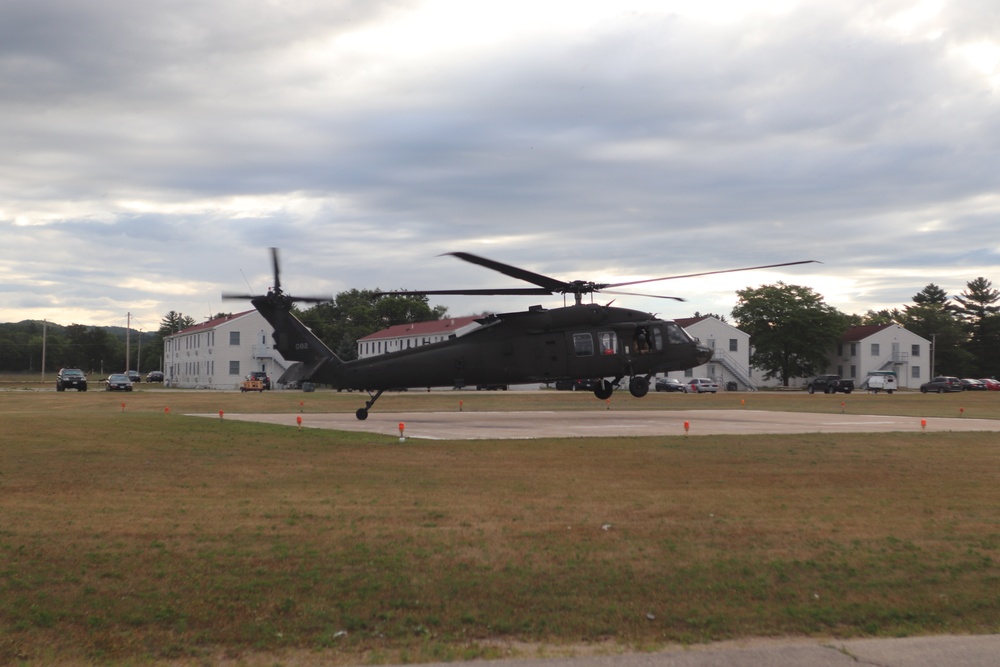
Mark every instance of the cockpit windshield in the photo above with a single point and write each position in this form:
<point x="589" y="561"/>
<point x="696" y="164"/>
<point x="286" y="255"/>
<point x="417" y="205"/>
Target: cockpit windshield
<point x="677" y="335"/>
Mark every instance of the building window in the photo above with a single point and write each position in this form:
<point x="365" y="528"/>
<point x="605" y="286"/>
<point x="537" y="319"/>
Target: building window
<point x="914" y="350"/>
<point x="234" y="337"/>
<point x="854" y="371"/>
<point x="854" y="349"/>
<point x="874" y="349"/>
<point x="234" y="367"/>
<point x="734" y="345"/>
<point x="915" y="372"/>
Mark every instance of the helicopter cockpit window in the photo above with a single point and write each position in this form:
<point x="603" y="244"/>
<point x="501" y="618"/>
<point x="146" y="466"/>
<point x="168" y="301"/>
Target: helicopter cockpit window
<point x="676" y="335"/>
<point x="583" y="344"/>
<point x="609" y="342"/>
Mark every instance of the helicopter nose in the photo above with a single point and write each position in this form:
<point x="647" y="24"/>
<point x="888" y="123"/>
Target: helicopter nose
<point x="702" y="354"/>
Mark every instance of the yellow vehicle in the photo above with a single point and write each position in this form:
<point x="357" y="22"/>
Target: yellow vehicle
<point x="252" y="385"/>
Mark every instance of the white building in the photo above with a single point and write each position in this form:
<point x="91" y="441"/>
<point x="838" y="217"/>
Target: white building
<point x="406" y="336"/>
<point x="219" y="353"/>
<point x="730" y="362"/>
<point x="882" y="347"/>
<point x="875" y="347"/>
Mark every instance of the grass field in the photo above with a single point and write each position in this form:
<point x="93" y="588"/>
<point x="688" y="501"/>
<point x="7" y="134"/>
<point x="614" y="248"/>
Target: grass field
<point x="130" y="533"/>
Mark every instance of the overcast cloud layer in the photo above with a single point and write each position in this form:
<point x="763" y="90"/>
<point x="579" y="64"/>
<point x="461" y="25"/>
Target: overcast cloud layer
<point x="153" y="151"/>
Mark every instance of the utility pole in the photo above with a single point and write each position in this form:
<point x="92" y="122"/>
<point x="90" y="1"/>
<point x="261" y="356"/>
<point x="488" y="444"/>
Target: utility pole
<point x="128" y="329"/>
<point x="933" y="353"/>
<point x="45" y="326"/>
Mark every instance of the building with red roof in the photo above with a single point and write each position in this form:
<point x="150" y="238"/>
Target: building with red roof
<point x="219" y="353"/>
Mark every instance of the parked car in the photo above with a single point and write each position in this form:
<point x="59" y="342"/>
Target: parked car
<point x="264" y="378"/>
<point x="134" y="376"/>
<point x="118" y="382"/>
<point x="941" y="384"/>
<point x="991" y="384"/>
<point x="969" y="384"/>
<point x="154" y="376"/>
<point x="830" y="384"/>
<point x="670" y="384"/>
<point x="702" y="385"/>
<point x="71" y="378"/>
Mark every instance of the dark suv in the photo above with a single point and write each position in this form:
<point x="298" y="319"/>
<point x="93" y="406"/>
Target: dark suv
<point x="941" y="384"/>
<point x="71" y="378"/>
<point x="262" y="376"/>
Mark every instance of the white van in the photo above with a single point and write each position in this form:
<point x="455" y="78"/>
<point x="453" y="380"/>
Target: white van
<point x="880" y="381"/>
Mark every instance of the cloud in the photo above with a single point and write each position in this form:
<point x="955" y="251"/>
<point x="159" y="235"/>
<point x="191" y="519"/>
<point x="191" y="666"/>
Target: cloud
<point x="155" y="150"/>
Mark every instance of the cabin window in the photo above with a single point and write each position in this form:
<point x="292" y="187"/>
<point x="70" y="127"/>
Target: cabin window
<point x="583" y="344"/>
<point x="643" y="340"/>
<point x="609" y="342"/>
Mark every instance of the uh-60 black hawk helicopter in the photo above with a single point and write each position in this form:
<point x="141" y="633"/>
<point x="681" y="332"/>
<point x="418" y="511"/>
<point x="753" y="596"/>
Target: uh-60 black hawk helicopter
<point x="584" y="340"/>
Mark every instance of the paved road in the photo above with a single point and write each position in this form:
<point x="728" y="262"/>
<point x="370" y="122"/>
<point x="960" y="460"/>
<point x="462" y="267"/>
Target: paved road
<point x="525" y="425"/>
<point x="945" y="651"/>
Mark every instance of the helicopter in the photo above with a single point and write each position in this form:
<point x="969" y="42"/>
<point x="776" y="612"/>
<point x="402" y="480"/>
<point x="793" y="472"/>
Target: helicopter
<point x="582" y="340"/>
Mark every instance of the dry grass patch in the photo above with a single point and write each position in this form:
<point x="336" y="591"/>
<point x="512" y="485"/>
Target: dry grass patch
<point x="139" y="535"/>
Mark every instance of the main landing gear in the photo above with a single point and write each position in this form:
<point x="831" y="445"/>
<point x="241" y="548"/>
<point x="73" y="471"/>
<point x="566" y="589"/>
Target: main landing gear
<point x="362" y="413"/>
<point x="638" y="386"/>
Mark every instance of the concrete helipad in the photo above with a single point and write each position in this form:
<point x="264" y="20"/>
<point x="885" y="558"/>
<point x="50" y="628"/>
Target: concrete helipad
<point x="525" y="425"/>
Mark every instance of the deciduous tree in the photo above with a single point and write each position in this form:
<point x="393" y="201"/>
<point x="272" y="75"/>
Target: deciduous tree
<point x="791" y="329"/>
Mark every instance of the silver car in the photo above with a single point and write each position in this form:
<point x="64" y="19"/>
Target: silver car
<point x="702" y="385"/>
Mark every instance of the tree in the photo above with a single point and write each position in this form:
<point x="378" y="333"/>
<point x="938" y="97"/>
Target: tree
<point x="791" y="329"/>
<point x="931" y="316"/>
<point x="975" y="305"/>
<point x="357" y="313"/>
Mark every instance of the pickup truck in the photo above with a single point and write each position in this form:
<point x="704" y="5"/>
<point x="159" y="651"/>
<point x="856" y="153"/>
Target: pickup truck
<point x="830" y="384"/>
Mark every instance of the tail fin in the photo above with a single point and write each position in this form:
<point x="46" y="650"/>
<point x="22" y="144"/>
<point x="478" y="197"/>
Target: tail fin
<point x="292" y="338"/>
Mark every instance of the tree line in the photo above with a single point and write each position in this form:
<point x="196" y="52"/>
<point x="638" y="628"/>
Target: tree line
<point x="791" y="329"/>
<point x="93" y="349"/>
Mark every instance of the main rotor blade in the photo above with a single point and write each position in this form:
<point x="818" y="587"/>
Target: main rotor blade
<point x="651" y="296"/>
<point x="712" y="273"/>
<point x="509" y="291"/>
<point x="230" y="295"/>
<point x="551" y="284"/>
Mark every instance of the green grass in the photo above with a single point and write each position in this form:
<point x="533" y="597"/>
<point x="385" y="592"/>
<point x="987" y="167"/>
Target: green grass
<point x="142" y="535"/>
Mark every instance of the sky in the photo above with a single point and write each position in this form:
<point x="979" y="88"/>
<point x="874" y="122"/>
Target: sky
<point x="153" y="151"/>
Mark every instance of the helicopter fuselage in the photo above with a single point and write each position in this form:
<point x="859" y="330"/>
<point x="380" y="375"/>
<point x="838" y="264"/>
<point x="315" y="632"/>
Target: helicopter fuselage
<point x="587" y="341"/>
<point x="537" y="345"/>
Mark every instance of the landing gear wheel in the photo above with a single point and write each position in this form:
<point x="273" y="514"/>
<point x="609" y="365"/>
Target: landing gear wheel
<point x="604" y="390"/>
<point x="361" y="414"/>
<point x="638" y="386"/>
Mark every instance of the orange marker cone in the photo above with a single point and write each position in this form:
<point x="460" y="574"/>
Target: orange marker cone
<point x="220" y="414"/>
<point x="923" y="424"/>
<point x="687" y="427"/>
<point x="298" y="420"/>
